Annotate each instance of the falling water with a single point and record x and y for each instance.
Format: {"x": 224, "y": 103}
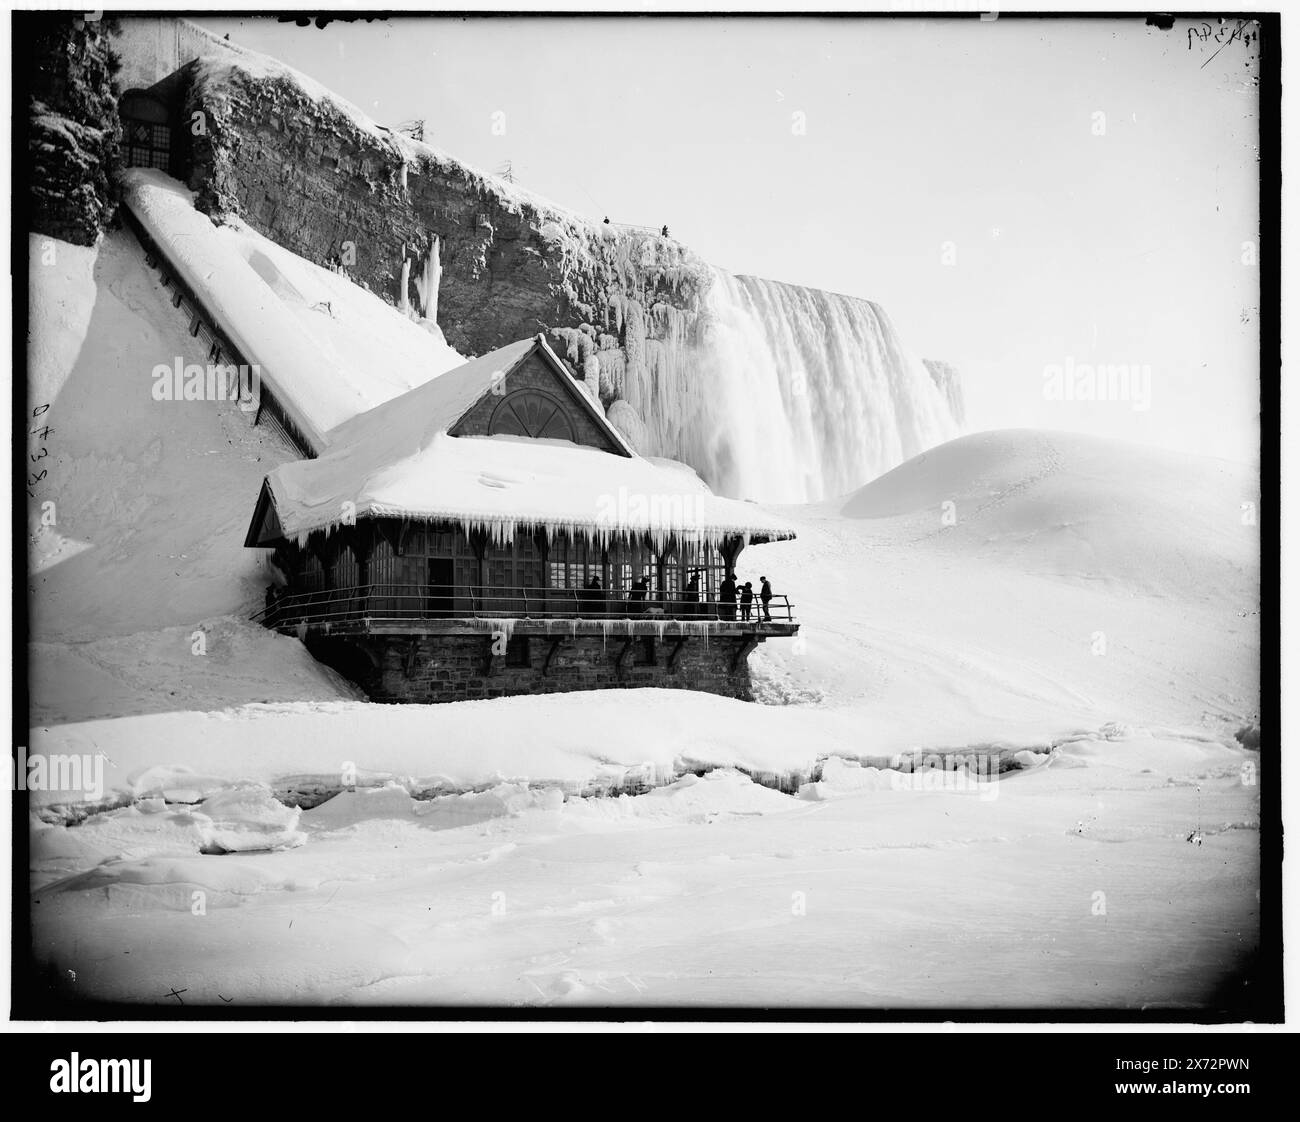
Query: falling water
{"x": 785, "y": 394}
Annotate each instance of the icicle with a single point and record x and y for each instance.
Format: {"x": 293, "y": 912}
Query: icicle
{"x": 429, "y": 282}
{"x": 404, "y": 305}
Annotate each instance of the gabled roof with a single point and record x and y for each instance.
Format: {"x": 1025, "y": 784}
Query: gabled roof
{"x": 400, "y": 459}
{"x": 442, "y": 401}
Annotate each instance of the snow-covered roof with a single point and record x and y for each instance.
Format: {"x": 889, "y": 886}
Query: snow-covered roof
{"x": 400, "y": 460}
{"x": 505, "y": 484}
{"x": 442, "y": 401}
{"x": 327, "y": 349}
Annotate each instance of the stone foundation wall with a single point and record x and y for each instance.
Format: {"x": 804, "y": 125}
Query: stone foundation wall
{"x": 452, "y": 668}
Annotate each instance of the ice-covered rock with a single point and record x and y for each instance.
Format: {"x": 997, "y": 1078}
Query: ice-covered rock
{"x": 629, "y": 423}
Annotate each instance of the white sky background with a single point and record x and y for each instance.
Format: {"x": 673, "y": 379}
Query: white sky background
{"x": 1122, "y": 248}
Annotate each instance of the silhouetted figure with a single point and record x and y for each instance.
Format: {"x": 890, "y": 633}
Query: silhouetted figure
{"x": 637, "y": 597}
{"x": 746, "y": 600}
{"x": 591, "y": 595}
{"x": 693, "y": 595}
{"x": 607, "y": 220}
{"x": 766, "y": 597}
{"x": 664, "y": 232}
{"x": 727, "y": 598}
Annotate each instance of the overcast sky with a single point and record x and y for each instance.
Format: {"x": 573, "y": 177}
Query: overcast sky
{"x": 955, "y": 171}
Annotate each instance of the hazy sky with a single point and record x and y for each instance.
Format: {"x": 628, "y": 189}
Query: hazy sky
{"x": 955, "y": 171}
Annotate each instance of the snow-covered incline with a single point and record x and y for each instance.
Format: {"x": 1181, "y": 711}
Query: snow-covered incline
{"x": 150, "y": 500}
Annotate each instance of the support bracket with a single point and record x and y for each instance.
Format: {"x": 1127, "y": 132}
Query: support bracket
{"x": 550, "y": 654}
{"x": 742, "y": 651}
{"x": 620, "y": 659}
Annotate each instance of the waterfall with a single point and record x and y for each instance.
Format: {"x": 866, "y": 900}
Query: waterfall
{"x": 782, "y": 393}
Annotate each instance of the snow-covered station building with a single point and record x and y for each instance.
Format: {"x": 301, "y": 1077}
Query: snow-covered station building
{"x": 490, "y": 533}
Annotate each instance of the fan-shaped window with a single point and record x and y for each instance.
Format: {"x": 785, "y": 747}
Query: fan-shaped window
{"x": 531, "y": 413}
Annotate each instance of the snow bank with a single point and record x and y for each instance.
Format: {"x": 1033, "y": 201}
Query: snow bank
{"x": 61, "y": 303}
{"x": 238, "y": 818}
{"x": 562, "y": 740}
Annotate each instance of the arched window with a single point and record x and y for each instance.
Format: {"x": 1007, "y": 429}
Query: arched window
{"x": 146, "y": 129}
{"x": 531, "y": 413}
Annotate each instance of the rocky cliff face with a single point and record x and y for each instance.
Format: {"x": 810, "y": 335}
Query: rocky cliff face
{"x": 308, "y": 171}
{"x": 73, "y": 133}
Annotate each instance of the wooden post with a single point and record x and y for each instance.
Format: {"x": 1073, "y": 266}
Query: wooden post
{"x": 363, "y": 547}
{"x": 478, "y": 542}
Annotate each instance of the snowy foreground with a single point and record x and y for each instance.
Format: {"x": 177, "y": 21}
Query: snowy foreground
{"x": 1071, "y": 885}
{"x": 1083, "y": 636}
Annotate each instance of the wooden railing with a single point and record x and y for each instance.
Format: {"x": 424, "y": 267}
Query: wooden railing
{"x": 402, "y": 602}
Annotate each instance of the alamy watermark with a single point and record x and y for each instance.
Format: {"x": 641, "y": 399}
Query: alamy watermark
{"x": 637, "y": 508}
{"x": 214, "y": 382}
{"x": 70, "y": 772}
{"x": 1071, "y": 381}
{"x": 969, "y": 772}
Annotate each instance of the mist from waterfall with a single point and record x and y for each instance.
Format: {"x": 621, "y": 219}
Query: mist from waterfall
{"x": 786, "y": 394}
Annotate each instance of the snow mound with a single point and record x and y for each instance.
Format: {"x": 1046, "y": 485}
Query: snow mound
{"x": 1078, "y": 507}
{"x": 135, "y": 844}
{"x": 239, "y": 819}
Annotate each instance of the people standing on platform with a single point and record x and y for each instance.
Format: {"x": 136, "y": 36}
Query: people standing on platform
{"x": 727, "y": 597}
{"x": 746, "y": 600}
